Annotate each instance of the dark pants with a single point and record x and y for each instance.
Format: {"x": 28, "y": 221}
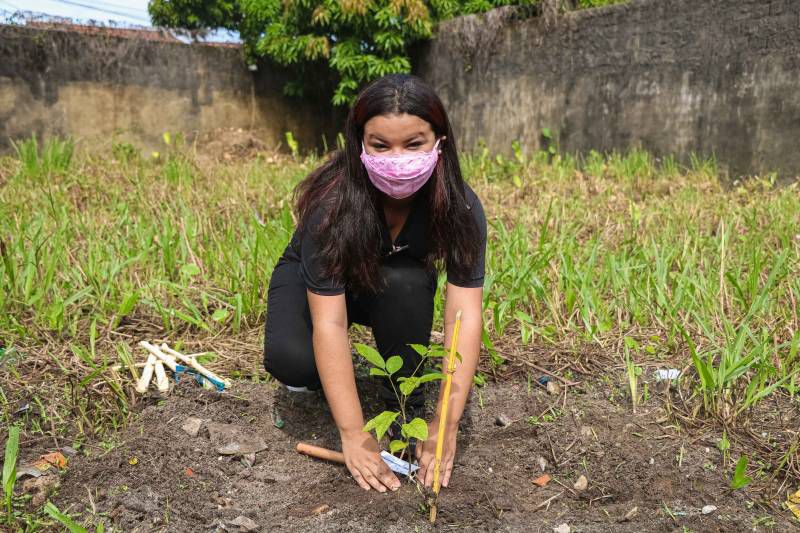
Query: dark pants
{"x": 401, "y": 314}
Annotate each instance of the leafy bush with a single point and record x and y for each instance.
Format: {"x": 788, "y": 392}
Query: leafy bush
{"x": 359, "y": 39}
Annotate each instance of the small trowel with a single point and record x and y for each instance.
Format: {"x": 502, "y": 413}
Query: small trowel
{"x": 394, "y": 463}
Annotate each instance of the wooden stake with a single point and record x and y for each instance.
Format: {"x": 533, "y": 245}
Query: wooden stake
{"x": 448, "y": 380}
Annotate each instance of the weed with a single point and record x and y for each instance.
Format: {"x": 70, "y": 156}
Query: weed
{"x": 39, "y": 162}
{"x": 10, "y": 470}
{"x": 740, "y": 478}
{"x": 549, "y": 416}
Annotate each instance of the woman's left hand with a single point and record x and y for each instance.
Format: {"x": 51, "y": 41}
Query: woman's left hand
{"x": 426, "y": 455}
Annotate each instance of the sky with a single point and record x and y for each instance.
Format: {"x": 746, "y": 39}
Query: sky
{"x": 133, "y": 12}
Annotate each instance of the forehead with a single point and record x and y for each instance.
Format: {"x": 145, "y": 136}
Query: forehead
{"x": 396, "y": 127}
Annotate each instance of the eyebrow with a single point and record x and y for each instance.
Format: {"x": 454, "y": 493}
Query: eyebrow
{"x": 379, "y": 138}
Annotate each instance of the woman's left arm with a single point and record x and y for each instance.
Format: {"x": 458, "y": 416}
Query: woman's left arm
{"x": 469, "y": 300}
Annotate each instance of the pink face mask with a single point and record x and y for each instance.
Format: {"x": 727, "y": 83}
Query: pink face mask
{"x": 400, "y": 176}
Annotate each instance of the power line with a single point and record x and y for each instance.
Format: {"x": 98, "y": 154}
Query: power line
{"x": 101, "y": 10}
{"x": 120, "y": 6}
{"x": 12, "y": 6}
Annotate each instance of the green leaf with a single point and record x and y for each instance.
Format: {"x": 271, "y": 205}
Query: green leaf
{"x": 416, "y": 429}
{"x": 381, "y": 423}
{"x": 433, "y": 376}
{"x": 128, "y": 303}
{"x": 740, "y": 477}
{"x": 631, "y": 343}
{"x": 420, "y": 349}
{"x": 397, "y": 445}
{"x": 408, "y": 386}
{"x": 190, "y": 270}
{"x": 377, "y": 372}
{"x": 370, "y": 354}
{"x": 70, "y": 524}
{"x": 523, "y": 317}
{"x": 394, "y": 363}
{"x": 497, "y": 359}
{"x": 724, "y": 444}
{"x": 437, "y": 350}
{"x": 10, "y": 461}
{"x": 220, "y": 315}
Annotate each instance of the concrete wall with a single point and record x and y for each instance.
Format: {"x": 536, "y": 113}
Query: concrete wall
{"x": 55, "y": 82}
{"x": 673, "y": 76}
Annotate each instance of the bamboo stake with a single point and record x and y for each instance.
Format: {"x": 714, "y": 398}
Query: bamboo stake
{"x": 448, "y": 380}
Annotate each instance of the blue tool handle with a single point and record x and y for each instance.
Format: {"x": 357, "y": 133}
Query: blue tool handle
{"x": 181, "y": 369}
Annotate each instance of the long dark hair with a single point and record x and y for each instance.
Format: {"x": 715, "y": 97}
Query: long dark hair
{"x": 350, "y": 231}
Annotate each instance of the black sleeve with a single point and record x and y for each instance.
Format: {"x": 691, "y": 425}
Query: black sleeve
{"x": 476, "y": 276}
{"x": 310, "y": 261}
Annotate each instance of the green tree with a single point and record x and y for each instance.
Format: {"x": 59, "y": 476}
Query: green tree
{"x": 360, "y": 40}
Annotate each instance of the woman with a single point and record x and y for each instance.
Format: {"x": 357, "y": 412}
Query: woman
{"x": 375, "y": 222}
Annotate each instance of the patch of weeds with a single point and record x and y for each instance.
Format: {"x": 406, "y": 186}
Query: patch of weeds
{"x": 125, "y": 152}
{"x": 548, "y": 417}
{"x": 765, "y": 521}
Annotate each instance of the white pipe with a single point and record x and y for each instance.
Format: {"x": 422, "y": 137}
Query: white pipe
{"x": 147, "y": 375}
{"x": 142, "y": 365}
{"x": 161, "y": 377}
{"x": 156, "y": 352}
{"x": 194, "y": 364}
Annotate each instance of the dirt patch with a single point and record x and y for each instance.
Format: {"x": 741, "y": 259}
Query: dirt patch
{"x": 643, "y": 473}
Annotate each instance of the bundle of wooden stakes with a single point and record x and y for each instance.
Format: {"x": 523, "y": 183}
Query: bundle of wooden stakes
{"x": 161, "y": 356}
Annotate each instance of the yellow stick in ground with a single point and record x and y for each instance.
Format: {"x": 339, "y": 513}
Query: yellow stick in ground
{"x": 448, "y": 380}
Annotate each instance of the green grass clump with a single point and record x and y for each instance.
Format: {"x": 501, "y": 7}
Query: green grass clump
{"x": 590, "y": 250}
{"x": 42, "y": 162}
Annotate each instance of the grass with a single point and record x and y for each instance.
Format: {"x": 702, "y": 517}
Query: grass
{"x": 622, "y": 246}
{"x": 646, "y": 260}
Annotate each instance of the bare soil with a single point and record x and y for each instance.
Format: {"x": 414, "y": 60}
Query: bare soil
{"x": 644, "y": 473}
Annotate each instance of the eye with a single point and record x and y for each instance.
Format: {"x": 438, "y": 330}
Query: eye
{"x": 379, "y": 146}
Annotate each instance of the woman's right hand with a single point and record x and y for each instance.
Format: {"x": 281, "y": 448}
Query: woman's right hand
{"x": 363, "y": 459}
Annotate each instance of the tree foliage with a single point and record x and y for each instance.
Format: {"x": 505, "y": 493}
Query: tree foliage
{"x": 360, "y": 40}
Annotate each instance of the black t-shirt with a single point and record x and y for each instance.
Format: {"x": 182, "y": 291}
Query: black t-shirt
{"x": 412, "y": 241}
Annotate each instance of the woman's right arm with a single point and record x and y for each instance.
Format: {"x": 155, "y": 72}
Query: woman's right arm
{"x": 335, "y": 367}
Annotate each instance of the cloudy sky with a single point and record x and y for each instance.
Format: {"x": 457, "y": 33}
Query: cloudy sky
{"x": 128, "y": 11}
{"x": 133, "y": 12}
